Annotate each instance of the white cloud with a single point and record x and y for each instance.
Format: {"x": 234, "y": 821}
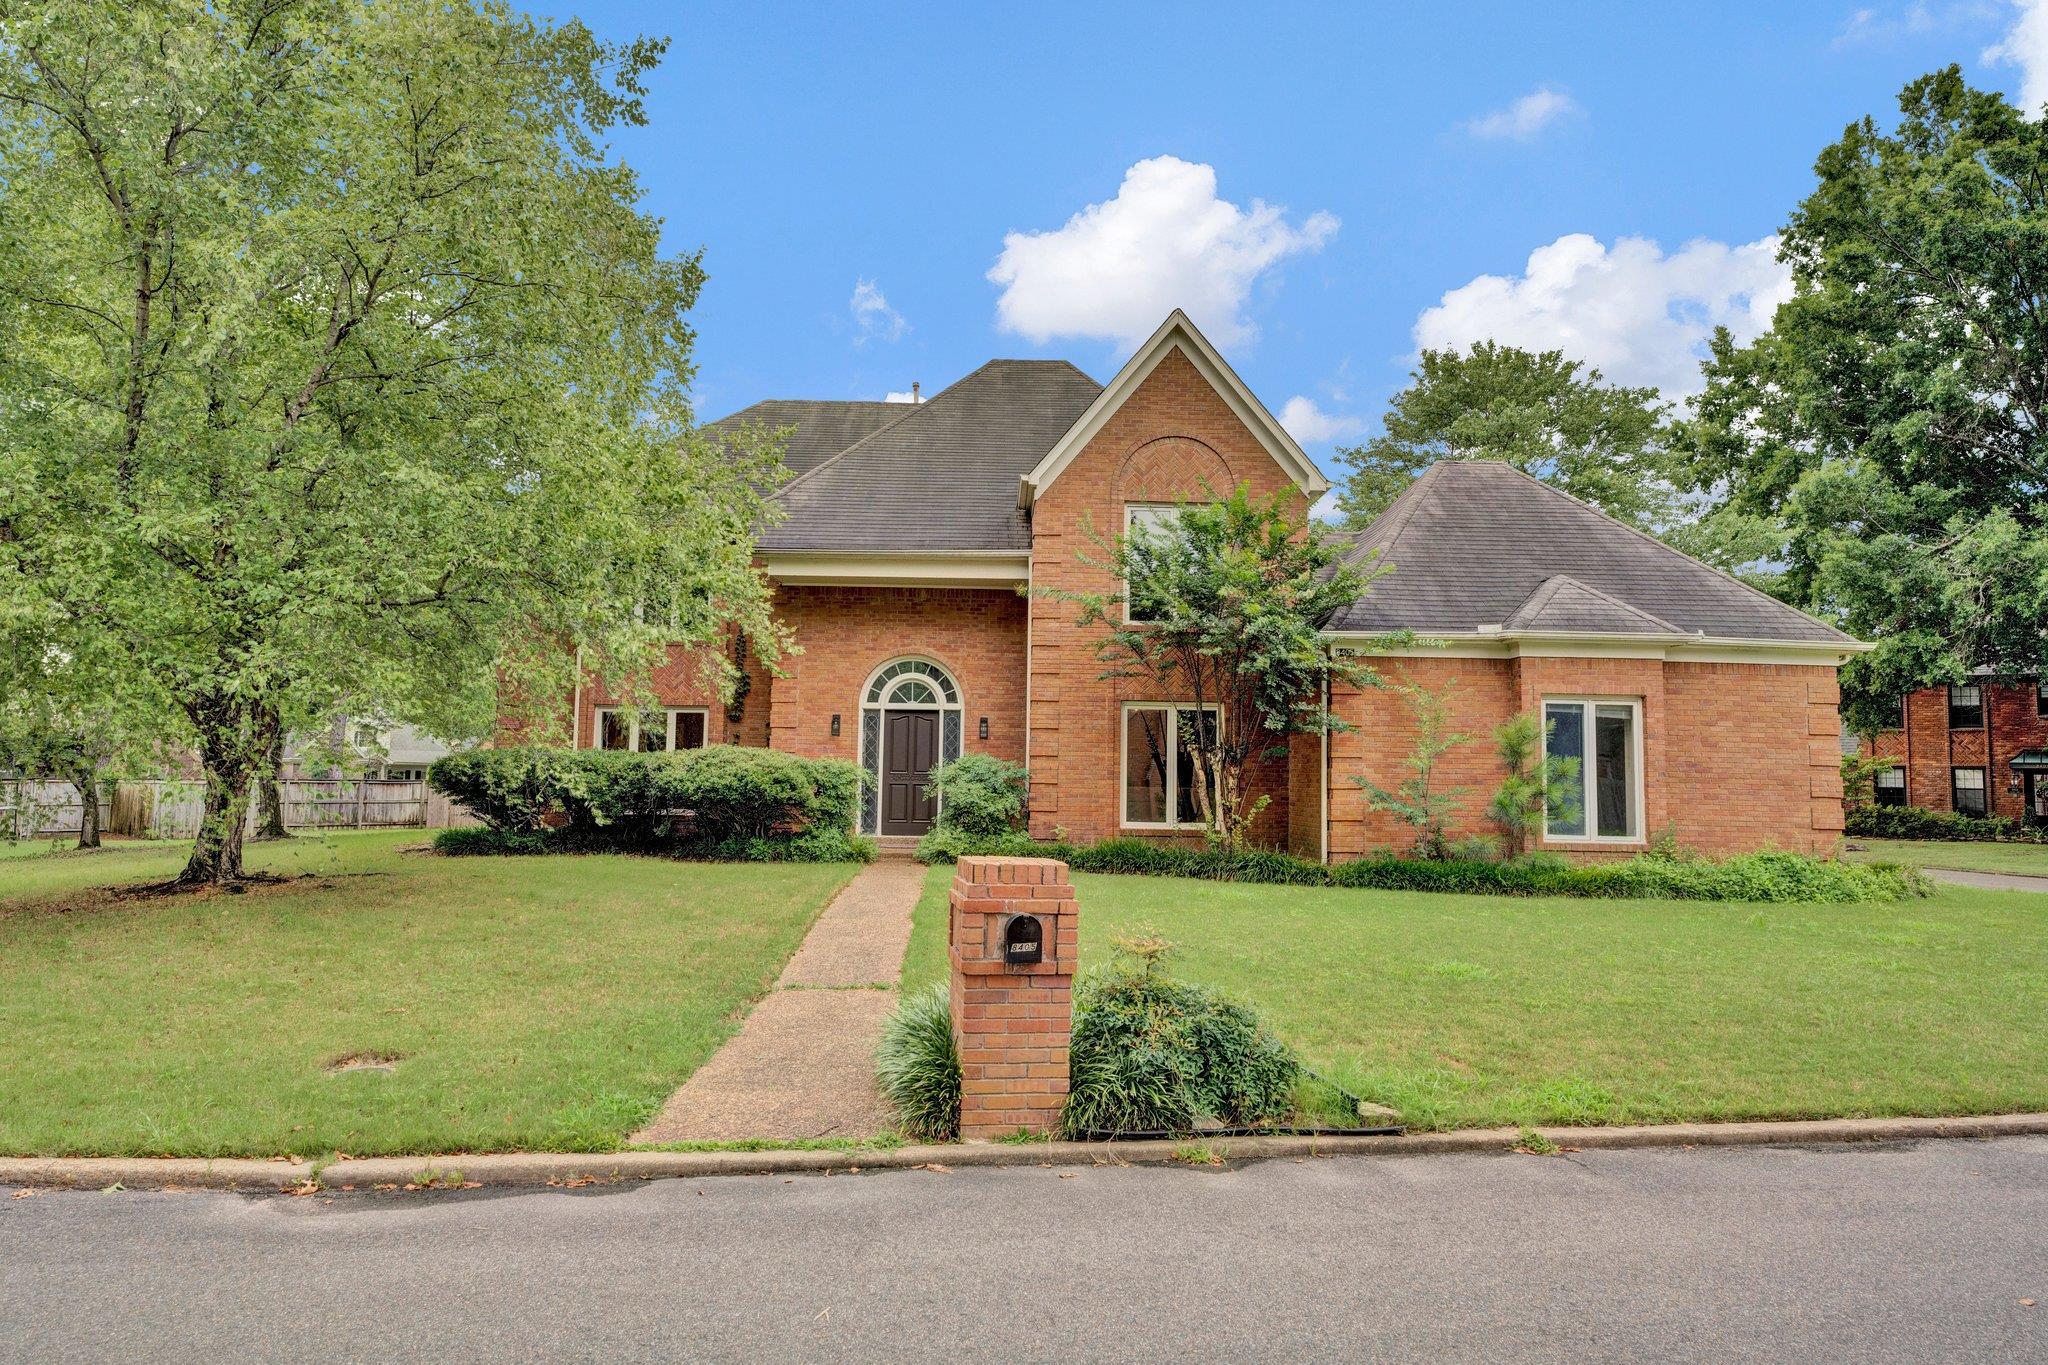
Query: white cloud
{"x": 1526, "y": 117}
{"x": 1894, "y": 24}
{"x": 1308, "y": 423}
{"x": 1636, "y": 314}
{"x": 902, "y": 396}
{"x": 872, "y": 315}
{"x": 2025, "y": 46}
{"x": 1116, "y": 269}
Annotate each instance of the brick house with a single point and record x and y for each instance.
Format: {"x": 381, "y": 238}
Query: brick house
{"x": 914, "y": 533}
{"x": 1977, "y": 748}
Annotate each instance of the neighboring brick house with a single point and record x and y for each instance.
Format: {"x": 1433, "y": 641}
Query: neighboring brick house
{"x": 1979, "y": 748}
{"x": 914, "y": 535}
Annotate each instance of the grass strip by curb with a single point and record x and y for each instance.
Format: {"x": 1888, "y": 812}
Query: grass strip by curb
{"x": 541, "y": 1169}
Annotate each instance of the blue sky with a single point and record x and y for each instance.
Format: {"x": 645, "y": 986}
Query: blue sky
{"x": 854, "y": 174}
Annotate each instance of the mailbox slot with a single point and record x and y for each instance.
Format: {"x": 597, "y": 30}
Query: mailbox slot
{"x": 1023, "y": 940}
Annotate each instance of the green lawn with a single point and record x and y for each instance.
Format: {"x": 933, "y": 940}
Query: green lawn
{"x": 2026, "y": 859}
{"x": 543, "y": 1003}
{"x": 1467, "y": 1011}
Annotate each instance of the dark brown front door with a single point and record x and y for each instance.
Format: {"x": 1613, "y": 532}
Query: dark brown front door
{"x": 910, "y": 748}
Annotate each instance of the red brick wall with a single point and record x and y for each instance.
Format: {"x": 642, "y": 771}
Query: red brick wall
{"x": 1173, "y": 434}
{"x": 682, "y": 681}
{"x": 1929, "y": 749}
{"x": 845, "y": 634}
{"x": 1736, "y": 757}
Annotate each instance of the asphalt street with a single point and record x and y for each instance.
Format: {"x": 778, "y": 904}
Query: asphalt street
{"x": 1873, "y": 1253}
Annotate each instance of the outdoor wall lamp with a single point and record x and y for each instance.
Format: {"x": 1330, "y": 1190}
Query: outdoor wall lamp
{"x": 984, "y": 727}
{"x": 835, "y": 725}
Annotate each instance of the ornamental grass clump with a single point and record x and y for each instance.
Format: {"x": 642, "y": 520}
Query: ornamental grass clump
{"x": 919, "y": 1067}
{"x": 1152, "y": 1054}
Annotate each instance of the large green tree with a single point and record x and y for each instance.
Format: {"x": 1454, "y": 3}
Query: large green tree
{"x": 1892, "y": 418}
{"x": 337, "y": 361}
{"x": 1551, "y": 417}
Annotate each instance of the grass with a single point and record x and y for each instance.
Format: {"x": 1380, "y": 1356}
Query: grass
{"x": 1464, "y": 1011}
{"x": 2025, "y": 859}
{"x": 534, "y": 1003}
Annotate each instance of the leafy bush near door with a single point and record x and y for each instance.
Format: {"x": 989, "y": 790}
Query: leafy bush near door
{"x": 980, "y": 795}
{"x": 723, "y": 802}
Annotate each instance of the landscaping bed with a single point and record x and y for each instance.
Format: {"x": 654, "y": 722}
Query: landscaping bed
{"x": 1463, "y": 1011}
{"x": 391, "y": 1002}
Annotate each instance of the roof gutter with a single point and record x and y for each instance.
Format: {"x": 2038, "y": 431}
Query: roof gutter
{"x": 1698, "y": 647}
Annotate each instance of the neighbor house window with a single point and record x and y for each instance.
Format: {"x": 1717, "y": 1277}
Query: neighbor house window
{"x": 1965, "y": 707}
{"x": 678, "y": 727}
{"x": 1145, "y": 521}
{"x": 1966, "y": 791}
{"x": 1603, "y": 798}
{"x": 1888, "y": 787}
{"x": 1161, "y": 777}
{"x": 2041, "y": 699}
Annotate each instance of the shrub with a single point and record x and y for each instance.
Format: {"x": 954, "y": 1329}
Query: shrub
{"x": 919, "y": 1067}
{"x": 718, "y": 801}
{"x": 1917, "y": 822}
{"x": 1781, "y": 877}
{"x": 483, "y": 840}
{"x": 980, "y": 794}
{"x": 1152, "y": 1054}
{"x": 508, "y": 789}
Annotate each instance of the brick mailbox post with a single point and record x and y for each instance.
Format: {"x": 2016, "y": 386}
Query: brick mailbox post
{"x": 1012, "y": 937}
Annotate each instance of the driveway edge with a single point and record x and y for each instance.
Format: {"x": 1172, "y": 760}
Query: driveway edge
{"x": 522, "y": 1169}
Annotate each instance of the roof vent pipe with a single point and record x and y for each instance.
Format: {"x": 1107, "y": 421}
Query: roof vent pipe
{"x": 913, "y": 392}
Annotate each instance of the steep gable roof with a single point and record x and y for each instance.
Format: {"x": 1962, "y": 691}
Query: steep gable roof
{"x": 822, "y": 427}
{"x": 1176, "y": 333}
{"x": 944, "y": 477}
{"x": 1473, "y": 543}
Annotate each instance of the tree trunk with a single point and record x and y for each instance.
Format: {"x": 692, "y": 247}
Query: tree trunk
{"x": 234, "y": 738}
{"x": 270, "y": 791}
{"x": 88, "y": 784}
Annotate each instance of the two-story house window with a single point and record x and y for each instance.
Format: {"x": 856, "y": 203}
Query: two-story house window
{"x": 2041, "y": 700}
{"x": 1965, "y": 706}
{"x": 1889, "y": 787}
{"x": 1967, "y": 791}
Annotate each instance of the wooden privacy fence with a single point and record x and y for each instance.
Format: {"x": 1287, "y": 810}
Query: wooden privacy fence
{"x": 172, "y": 809}
{"x": 30, "y": 810}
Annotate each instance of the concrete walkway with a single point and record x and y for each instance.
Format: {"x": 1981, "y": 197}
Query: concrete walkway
{"x": 1989, "y": 881}
{"x": 803, "y": 1065}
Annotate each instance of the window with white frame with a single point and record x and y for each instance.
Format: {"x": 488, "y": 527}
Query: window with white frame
{"x": 670, "y": 728}
{"x": 1161, "y": 778}
{"x": 1888, "y": 786}
{"x": 1600, "y": 739}
{"x": 1967, "y": 792}
{"x": 1145, "y": 521}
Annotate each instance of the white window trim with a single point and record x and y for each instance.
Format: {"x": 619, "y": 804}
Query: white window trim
{"x": 1129, "y": 508}
{"x": 1123, "y": 764}
{"x": 1592, "y": 815}
{"x": 632, "y": 715}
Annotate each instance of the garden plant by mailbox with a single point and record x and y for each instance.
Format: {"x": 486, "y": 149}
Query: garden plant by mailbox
{"x": 1012, "y": 937}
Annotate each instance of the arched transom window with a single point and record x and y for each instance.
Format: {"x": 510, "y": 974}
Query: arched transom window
{"x": 912, "y": 682}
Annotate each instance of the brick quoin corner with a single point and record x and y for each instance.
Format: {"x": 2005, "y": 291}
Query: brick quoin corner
{"x": 1012, "y": 1022}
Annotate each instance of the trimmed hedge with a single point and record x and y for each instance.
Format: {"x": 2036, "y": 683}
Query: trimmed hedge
{"x": 720, "y": 802}
{"x": 1774, "y": 877}
{"x": 1917, "y": 822}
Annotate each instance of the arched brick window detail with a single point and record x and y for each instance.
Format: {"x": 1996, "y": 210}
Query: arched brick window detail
{"x": 1174, "y": 469}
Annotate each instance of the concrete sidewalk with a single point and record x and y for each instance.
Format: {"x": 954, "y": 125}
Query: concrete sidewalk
{"x": 803, "y": 1066}
{"x": 1989, "y": 881}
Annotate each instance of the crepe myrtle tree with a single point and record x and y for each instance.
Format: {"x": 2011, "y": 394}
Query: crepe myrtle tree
{"x": 337, "y": 360}
{"x": 1221, "y": 606}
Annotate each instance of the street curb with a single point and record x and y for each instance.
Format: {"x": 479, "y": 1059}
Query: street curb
{"x": 527, "y": 1170}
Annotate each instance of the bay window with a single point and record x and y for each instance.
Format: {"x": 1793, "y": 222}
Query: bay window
{"x": 670, "y": 728}
{"x": 1594, "y": 748}
{"x": 1161, "y": 778}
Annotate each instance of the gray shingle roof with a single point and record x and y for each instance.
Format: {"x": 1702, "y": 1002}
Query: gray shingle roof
{"x": 823, "y": 427}
{"x": 945, "y": 476}
{"x": 1473, "y": 543}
